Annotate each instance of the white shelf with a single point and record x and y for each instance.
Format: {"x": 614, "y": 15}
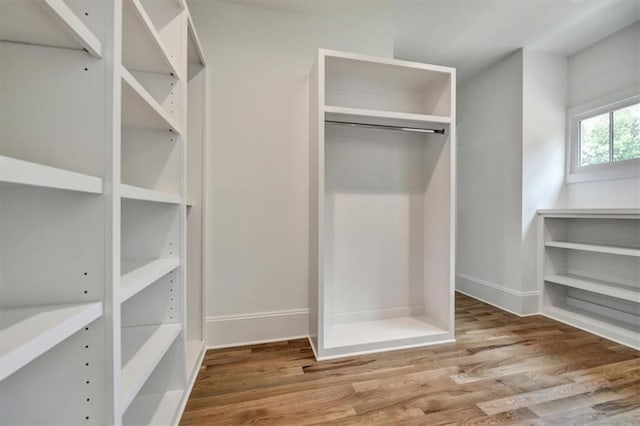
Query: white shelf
{"x": 46, "y": 23}
{"x": 136, "y": 193}
{"x": 155, "y": 409}
{"x": 28, "y": 332}
{"x": 597, "y": 324}
{"x": 33, "y": 174}
{"x": 138, "y": 274}
{"x": 596, "y": 248}
{"x": 143, "y": 347}
{"x": 140, "y": 109}
{"x": 365, "y": 332}
{"x": 142, "y": 47}
{"x": 596, "y": 286}
{"x": 369, "y": 116}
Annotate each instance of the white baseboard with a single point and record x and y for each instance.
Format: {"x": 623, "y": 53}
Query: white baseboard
{"x": 521, "y": 303}
{"x": 261, "y": 327}
{"x": 379, "y": 314}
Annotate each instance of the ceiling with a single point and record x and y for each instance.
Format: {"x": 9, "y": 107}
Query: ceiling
{"x": 472, "y": 34}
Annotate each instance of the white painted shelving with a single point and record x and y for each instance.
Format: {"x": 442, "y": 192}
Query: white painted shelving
{"x": 138, "y": 274}
{"x": 136, "y": 193}
{"x": 140, "y": 109}
{"x": 27, "y": 173}
{"x": 28, "y": 332}
{"x": 370, "y": 204}
{"x": 590, "y": 270}
{"x": 46, "y": 23}
{"x": 94, "y": 294}
{"x": 142, "y": 349}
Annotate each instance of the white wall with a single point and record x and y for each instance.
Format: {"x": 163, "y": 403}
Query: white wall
{"x": 489, "y": 186}
{"x": 602, "y": 69}
{"x": 510, "y": 164}
{"x": 543, "y": 154}
{"x": 258, "y": 64}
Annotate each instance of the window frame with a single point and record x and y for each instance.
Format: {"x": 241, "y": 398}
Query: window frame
{"x": 612, "y": 169}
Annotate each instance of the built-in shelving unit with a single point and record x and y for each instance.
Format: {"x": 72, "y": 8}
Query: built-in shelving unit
{"x": 93, "y": 183}
{"x": 381, "y": 193}
{"x": 590, "y": 270}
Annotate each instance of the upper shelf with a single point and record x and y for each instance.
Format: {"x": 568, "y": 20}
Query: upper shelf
{"x": 27, "y": 173}
{"x": 142, "y": 47}
{"x": 139, "y": 109}
{"x": 28, "y": 332}
{"x": 387, "y": 118}
{"x": 46, "y": 23}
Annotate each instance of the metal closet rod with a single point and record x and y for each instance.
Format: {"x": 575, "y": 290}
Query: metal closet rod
{"x": 386, "y": 127}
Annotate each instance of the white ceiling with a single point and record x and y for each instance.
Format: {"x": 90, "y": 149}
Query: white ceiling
{"x": 472, "y": 34}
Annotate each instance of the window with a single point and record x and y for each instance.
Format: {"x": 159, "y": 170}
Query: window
{"x": 605, "y": 141}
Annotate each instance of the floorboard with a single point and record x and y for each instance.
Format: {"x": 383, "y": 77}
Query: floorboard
{"x": 502, "y": 370}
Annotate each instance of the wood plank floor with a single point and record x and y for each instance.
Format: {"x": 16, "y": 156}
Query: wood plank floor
{"x": 502, "y": 370}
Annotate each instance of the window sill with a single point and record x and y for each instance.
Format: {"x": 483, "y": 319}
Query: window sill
{"x": 627, "y": 169}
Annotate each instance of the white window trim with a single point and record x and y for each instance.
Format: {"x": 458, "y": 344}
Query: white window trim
{"x": 616, "y": 170}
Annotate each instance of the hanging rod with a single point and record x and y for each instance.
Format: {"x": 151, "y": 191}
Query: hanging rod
{"x": 383, "y": 126}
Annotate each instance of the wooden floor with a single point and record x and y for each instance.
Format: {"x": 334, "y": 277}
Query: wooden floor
{"x": 502, "y": 370}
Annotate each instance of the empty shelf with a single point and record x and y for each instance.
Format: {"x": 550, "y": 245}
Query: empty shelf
{"x": 142, "y": 47}
{"x": 138, "y": 274}
{"x": 155, "y": 409}
{"x": 33, "y": 174}
{"x": 364, "y": 332}
{"x": 28, "y": 332}
{"x": 140, "y": 109}
{"x": 142, "y": 349}
{"x": 596, "y": 286}
{"x": 46, "y": 23}
{"x": 387, "y": 118}
{"x": 137, "y": 193}
{"x": 596, "y": 248}
{"x": 593, "y": 323}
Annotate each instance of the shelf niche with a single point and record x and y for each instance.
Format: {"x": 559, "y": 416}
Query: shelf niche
{"x": 381, "y": 205}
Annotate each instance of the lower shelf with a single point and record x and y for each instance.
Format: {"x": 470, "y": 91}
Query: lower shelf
{"x": 142, "y": 349}
{"x": 28, "y": 332}
{"x": 365, "y": 332}
{"x": 155, "y": 409}
{"x": 618, "y": 331}
{"x": 596, "y": 286}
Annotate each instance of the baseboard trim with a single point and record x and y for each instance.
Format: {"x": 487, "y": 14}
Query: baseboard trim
{"x": 260, "y": 327}
{"x": 521, "y": 303}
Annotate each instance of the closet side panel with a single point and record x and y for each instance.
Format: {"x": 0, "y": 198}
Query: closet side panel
{"x": 437, "y": 231}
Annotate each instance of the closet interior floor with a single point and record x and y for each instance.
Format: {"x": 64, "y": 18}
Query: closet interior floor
{"x": 503, "y": 369}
